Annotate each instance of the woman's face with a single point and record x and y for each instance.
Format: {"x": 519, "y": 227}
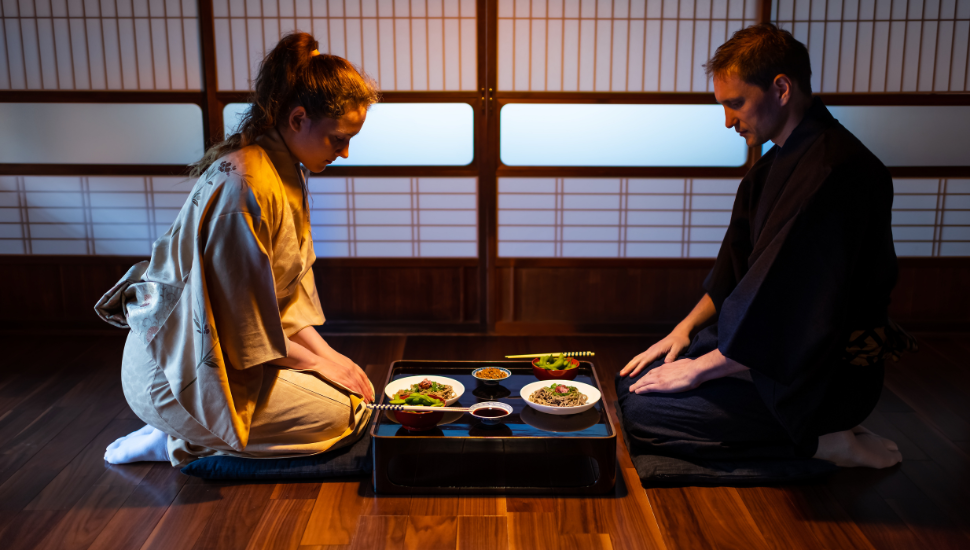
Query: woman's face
{"x": 317, "y": 143}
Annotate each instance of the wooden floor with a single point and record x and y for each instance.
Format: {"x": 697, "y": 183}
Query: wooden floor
{"x": 61, "y": 404}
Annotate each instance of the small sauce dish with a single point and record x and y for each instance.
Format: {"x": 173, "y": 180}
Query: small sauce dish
{"x": 490, "y": 413}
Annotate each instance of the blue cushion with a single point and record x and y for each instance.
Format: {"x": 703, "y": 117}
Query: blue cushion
{"x": 354, "y": 460}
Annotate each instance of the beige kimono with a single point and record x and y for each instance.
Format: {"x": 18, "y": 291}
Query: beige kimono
{"x": 225, "y": 288}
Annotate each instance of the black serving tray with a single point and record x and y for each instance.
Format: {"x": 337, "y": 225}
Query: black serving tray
{"x": 529, "y": 453}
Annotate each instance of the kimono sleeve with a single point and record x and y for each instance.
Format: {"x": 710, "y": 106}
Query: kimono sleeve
{"x": 732, "y": 257}
{"x": 241, "y": 290}
{"x": 303, "y": 308}
{"x": 787, "y": 312}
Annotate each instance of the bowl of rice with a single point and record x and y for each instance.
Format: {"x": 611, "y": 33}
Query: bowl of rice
{"x": 560, "y": 398}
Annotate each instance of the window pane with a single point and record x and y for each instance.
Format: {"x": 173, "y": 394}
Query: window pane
{"x": 403, "y": 134}
{"x": 909, "y": 135}
{"x": 97, "y": 133}
{"x": 618, "y": 135}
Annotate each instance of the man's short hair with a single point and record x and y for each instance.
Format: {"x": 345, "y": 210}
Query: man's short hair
{"x": 761, "y": 52}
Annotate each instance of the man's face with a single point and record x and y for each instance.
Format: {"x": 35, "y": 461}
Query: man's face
{"x": 754, "y": 113}
{"x": 317, "y": 143}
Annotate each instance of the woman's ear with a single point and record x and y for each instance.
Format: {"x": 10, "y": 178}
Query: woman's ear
{"x": 297, "y": 119}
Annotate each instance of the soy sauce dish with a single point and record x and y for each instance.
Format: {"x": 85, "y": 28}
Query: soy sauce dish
{"x": 490, "y": 413}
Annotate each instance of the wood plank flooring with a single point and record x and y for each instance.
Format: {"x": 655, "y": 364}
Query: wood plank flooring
{"x": 61, "y": 404}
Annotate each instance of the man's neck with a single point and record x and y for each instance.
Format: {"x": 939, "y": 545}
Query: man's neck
{"x": 795, "y": 117}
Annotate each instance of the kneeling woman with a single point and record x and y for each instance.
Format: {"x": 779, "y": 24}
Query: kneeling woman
{"x": 222, "y": 357}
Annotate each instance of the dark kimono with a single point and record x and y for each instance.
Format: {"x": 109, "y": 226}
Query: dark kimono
{"x": 807, "y": 260}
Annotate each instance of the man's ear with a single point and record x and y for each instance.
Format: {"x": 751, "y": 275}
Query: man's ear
{"x": 783, "y": 89}
{"x": 296, "y": 119}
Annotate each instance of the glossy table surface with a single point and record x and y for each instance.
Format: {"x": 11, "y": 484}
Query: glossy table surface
{"x": 523, "y": 422}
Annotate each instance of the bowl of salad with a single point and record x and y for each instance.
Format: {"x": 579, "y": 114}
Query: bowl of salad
{"x": 555, "y": 367}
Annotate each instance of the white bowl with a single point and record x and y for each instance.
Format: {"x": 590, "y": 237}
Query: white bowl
{"x": 592, "y": 393}
{"x": 405, "y": 384}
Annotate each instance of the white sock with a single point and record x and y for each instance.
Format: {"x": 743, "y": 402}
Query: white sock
{"x": 146, "y": 444}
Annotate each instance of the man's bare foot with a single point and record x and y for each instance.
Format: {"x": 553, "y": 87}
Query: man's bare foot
{"x": 890, "y": 444}
{"x": 858, "y": 447}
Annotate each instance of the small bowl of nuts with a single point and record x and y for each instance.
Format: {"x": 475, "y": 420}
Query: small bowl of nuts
{"x": 491, "y": 376}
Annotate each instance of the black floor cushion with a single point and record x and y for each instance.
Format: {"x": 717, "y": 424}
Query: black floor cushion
{"x": 665, "y": 471}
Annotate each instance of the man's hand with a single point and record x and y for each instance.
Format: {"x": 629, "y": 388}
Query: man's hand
{"x": 669, "y": 378}
{"x": 671, "y": 346}
{"x": 687, "y": 374}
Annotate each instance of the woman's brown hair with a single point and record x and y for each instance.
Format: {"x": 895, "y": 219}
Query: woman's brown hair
{"x": 292, "y": 75}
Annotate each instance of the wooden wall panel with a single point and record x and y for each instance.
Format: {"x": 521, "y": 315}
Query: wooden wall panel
{"x": 582, "y": 299}
{"x": 59, "y": 293}
{"x": 566, "y": 296}
{"x": 397, "y": 294}
{"x": 555, "y": 296}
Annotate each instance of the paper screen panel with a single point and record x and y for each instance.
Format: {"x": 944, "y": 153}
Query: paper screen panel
{"x": 687, "y": 218}
{"x": 394, "y": 217}
{"x": 402, "y": 134}
{"x": 350, "y": 217}
{"x": 100, "y": 133}
{"x": 613, "y": 218}
{"x": 624, "y": 135}
{"x": 87, "y": 215}
{"x": 405, "y": 45}
{"x": 99, "y": 45}
{"x": 882, "y": 45}
{"x": 613, "y": 45}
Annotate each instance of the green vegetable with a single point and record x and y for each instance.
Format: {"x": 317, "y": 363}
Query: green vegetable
{"x": 421, "y": 400}
{"x": 548, "y": 363}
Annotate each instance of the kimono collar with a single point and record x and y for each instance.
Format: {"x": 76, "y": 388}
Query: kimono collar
{"x": 289, "y": 168}
{"x": 294, "y": 176}
{"x": 816, "y": 120}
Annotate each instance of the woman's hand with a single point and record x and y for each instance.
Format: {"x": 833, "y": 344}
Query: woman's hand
{"x": 332, "y": 364}
{"x": 673, "y": 377}
{"x": 347, "y": 374}
{"x": 671, "y": 346}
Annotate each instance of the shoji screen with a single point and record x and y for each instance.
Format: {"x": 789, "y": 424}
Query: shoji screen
{"x": 613, "y": 45}
{"x": 156, "y": 45}
{"x": 404, "y": 44}
{"x": 687, "y": 218}
{"x": 99, "y": 45}
{"x": 882, "y": 45}
{"x": 351, "y": 217}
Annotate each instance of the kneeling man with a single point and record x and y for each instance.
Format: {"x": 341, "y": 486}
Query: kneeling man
{"x": 793, "y": 361}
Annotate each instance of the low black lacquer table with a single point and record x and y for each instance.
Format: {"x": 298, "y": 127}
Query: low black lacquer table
{"x": 529, "y": 453}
